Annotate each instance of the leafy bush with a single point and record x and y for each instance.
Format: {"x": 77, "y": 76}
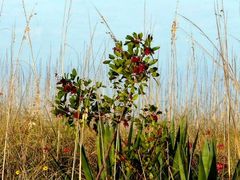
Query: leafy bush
{"x": 153, "y": 149}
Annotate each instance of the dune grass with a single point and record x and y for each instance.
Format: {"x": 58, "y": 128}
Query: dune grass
{"x": 37, "y": 145}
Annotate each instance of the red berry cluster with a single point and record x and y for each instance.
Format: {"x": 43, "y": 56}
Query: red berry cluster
{"x": 154, "y": 117}
{"x": 148, "y": 51}
{"x": 220, "y": 146}
{"x": 140, "y": 68}
{"x": 67, "y": 150}
{"x": 221, "y": 167}
{"x": 68, "y": 86}
{"x": 135, "y": 59}
{"x": 77, "y": 115}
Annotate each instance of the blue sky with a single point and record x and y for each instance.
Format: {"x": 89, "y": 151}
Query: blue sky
{"x": 123, "y": 16}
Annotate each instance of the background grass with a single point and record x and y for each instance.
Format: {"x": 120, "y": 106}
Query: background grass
{"x": 207, "y": 93}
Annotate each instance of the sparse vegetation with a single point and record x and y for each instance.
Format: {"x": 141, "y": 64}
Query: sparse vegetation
{"x": 131, "y": 125}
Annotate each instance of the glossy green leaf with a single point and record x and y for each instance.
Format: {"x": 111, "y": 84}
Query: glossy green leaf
{"x": 106, "y": 62}
{"x": 86, "y": 166}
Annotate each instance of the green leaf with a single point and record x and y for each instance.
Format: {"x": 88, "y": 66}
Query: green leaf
{"x": 112, "y": 66}
{"x": 201, "y": 171}
{"x": 99, "y": 147}
{"x": 60, "y": 94}
{"x": 98, "y": 84}
{"x": 209, "y": 159}
{"x": 135, "y": 35}
{"x": 182, "y": 170}
{"x": 155, "y": 48}
{"x": 140, "y": 89}
{"x": 106, "y": 62}
{"x": 118, "y": 54}
{"x": 138, "y": 139}
{"x": 206, "y": 158}
{"x": 86, "y": 166}
{"x": 130, "y": 135}
{"x": 155, "y": 74}
{"x": 119, "y": 70}
{"x": 111, "y": 56}
{"x": 154, "y": 69}
{"x": 130, "y": 48}
{"x": 128, "y": 37}
{"x": 73, "y": 74}
{"x": 108, "y": 99}
{"x": 152, "y": 108}
{"x": 176, "y": 140}
{"x": 213, "y": 169}
{"x": 154, "y": 61}
{"x": 183, "y": 132}
{"x": 135, "y": 97}
{"x": 107, "y": 137}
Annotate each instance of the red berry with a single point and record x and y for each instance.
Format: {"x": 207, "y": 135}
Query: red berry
{"x": 136, "y": 70}
{"x": 220, "y": 167}
{"x": 74, "y": 90}
{"x": 220, "y": 146}
{"x": 147, "y": 51}
{"x": 62, "y": 81}
{"x": 76, "y": 115}
{"x": 154, "y": 117}
{"x": 67, "y": 87}
{"x": 141, "y": 68}
{"x": 135, "y": 59}
{"x": 67, "y": 150}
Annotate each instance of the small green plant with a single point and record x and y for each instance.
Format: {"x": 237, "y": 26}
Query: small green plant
{"x": 77, "y": 97}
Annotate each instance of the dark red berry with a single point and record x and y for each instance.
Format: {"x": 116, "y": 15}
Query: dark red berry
{"x": 141, "y": 68}
{"x": 66, "y": 150}
{"x": 136, "y": 70}
{"x": 147, "y": 51}
{"x": 135, "y": 59}
{"x": 62, "y": 81}
{"x": 76, "y": 115}
{"x": 220, "y": 167}
{"x": 74, "y": 90}
{"x": 67, "y": 87}
{"x": 154, "y": 117}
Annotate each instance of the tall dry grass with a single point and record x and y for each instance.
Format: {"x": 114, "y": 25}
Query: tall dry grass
{"x": 32, "y": 138}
